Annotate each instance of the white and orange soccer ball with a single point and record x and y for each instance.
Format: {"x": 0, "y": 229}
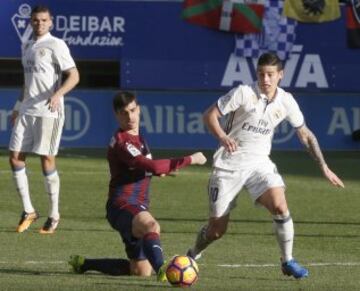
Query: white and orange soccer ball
{"x": 182, "y": 271}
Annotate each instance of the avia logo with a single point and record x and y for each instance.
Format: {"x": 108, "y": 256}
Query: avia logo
{"x": 283, "y": 133}
{"x": 301, "y": 70}
{"x": 21, "y": 22}
{"x": 77, "y": 119}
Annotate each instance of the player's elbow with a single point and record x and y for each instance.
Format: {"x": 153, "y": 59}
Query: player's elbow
{"x": 76, "y": 76}
{"x": 73, "y": 76}
{"x": 211, "y": 115}
{"x": 160, "y": 167}
{"x": 206, "y": 117}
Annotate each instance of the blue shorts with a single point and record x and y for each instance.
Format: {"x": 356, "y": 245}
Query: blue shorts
{"x": 121, "y": 219}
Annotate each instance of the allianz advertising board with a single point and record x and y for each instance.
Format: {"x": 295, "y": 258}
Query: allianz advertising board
{"x": 173, "y": 120}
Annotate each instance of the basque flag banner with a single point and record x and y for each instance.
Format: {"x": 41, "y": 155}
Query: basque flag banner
{"x": 277, "y": 35}
{"x": 225, "y": 15}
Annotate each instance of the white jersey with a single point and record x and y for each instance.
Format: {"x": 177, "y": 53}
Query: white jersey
{"x": 251, "y": 120}
{"x": 43, "y": 60}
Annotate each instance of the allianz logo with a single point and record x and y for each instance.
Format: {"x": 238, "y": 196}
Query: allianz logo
{"x": 77, "y": 119}
{"x": 283, "y": 133}
{"x": 171, "y": 119}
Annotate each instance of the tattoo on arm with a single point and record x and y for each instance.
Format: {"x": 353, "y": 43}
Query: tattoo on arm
{"x": 313, "y": 147}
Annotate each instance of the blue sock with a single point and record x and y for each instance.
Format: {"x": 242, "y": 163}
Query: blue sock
{"x": 153, "y": 250}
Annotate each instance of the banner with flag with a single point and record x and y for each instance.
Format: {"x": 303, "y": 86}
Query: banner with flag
{"x": 225, "y": 15}
{"x": 277, "y": 35}
{"x": 312, "y": 11}
{"x": 353, "y": 24}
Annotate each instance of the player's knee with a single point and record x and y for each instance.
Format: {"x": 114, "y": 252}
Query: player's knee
{"x": 152, "y": 226}
{"x": 141, "y": 271}
{"x": 280, "y": 208}
{"x": 15, "y": 163}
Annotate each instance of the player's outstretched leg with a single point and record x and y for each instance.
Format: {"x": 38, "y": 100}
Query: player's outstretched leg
{"x": 293, "y": 268}
{"x": 154, "y": 254}
{"x": 113, "y": 267}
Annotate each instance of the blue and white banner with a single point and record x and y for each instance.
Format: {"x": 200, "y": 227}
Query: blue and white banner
{"x": 174, "y": 120}
{"x": 159, "y": 50}
{"x": 92, "y": 29}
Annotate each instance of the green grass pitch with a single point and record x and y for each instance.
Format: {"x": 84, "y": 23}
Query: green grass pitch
{"x": 327, "y": 228}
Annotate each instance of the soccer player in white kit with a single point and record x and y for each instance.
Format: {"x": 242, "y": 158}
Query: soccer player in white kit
{"x": 242, "y": 159}
{"x": 38, "y": 115}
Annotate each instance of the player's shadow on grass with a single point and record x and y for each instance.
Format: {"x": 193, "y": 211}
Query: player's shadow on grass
{"x": 133, "y": 284}
{"x": 30, "y": 272}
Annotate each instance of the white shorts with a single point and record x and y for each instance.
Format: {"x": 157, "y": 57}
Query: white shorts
{"x": 225, "y": 185}
{"x": 34, "y": 134}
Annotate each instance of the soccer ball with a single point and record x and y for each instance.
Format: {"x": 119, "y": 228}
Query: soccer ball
{"x": 182, "y": 271}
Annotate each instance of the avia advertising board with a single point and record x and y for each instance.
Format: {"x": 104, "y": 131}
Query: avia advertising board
{"x": 157, "y": 49}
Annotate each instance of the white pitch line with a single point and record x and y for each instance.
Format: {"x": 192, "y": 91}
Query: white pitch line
{"x": 351, "y": 264}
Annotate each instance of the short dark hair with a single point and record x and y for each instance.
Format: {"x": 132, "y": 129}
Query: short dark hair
{"x": 40, "y": 9}
{"x": 270, "y": 59}
{"x": 122, "y": 99}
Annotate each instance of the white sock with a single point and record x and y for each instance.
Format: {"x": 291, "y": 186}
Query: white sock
{"x": 52, "y": 187}
{"x": 22, "y": 186}
{"x": 284, "y": 231}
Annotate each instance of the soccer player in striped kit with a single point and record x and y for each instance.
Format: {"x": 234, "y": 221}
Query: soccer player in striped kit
{"x": 131, "y": 168}
{"x": 242, "y": 159}
{"x": 38, "y": 115}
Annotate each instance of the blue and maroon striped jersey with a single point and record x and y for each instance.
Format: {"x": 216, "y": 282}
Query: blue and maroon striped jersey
{"x": 131, "y": 168}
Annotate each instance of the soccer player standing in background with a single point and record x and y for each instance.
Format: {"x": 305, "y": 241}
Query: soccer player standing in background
{"x": 131, "y": 167}
{"x": 242, "y": 159}
{"x": 38, "y": 115}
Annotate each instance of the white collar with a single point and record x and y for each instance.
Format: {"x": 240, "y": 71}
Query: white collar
{"x": 263, "y": 97}
{"x": 43, "y": 38}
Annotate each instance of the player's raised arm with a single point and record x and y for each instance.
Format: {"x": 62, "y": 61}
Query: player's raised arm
{"x": 162, "y": 167}
{"x": 310, "y": 142}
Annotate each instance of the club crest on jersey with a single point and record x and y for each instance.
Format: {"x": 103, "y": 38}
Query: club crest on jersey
{"x": 254, "y": 99}
{"x": 356, "y": 9}
{"x": 21, "y": 22}
{"x": 132, "y": 150}
{"x": 42, "y": 53}
{"x": 277, "y": 114}
{"x": 112, "y": 142}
